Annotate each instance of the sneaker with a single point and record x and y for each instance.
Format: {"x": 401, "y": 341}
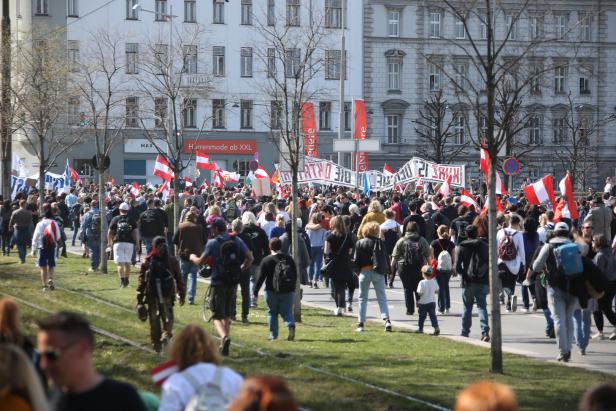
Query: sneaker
{"x": 437, "y": 331}
{"x": 550, "y": 333}
{"x": 582, "y": 351}
{"x": 508, "y": 309}
{"x": 441, "y": 312}
{"x": 51, "y": 285}
{"x": 336, "y": 312}
{"x": 613, "y": 336}
{"x": 244, "y": 319}
{"x": 535, "y": 305}
{"x": 485, "y": 337}
{"x": 291, "y": 335}
{"x": 447, "y": 311}
{"x": 409, "y": 312}
{"x": 598, "y": 336}
{"x": 224, "y": 346}
{"x": 316, "y": 286}
{"x": 360, "y": 327}
{"x": 391, "y": 285}
{"x": 463, "y": 334}
{"x": 349, "y": 308}
{"x": 340, "y": 311}
{"x": 253, "y": 305}
{"x": 387, "y": 325}
{"x": 419, "y": 331}
{"x": 568, "y": 356}
{"x": 564, "y": 357}
{"x": 525, "y": 310}
{"x": 514, "y": 303}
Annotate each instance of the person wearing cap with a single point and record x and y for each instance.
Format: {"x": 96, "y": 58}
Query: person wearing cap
{"x": 560, "y": 290}
{"x": 123, "y": 234}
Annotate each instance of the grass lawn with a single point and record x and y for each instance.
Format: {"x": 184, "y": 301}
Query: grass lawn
{"x": 323, "y": 366}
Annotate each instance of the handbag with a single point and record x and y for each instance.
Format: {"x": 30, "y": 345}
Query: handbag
{"x": 330, "y": 263}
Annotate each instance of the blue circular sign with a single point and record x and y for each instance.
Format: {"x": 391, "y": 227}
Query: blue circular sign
{"x": 511, "y": 166}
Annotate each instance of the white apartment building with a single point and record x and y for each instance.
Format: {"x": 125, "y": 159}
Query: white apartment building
{"x": 229, "y": 119}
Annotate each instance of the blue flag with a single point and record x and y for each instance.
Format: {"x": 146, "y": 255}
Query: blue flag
{"x": 67, "y": 176}
{"x": 366, "y": 189}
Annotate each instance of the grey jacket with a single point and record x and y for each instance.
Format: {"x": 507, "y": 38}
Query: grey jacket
{"x": 601, "y": 218}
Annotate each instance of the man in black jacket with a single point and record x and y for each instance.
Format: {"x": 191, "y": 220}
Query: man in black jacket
{"x": 152, "y": 223}
{"x": 258, "y": 244}
{"x": 472, "y": 265}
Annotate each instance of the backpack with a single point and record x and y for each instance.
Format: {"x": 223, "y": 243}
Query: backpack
{"x": 124, "y": 231}
{"x": 430, "y": 230}
{"x": 506, "y": 248}
{"x": 379, "y": 257}
{"x": 478, "y": 267}
{"x": 444, "y": 261}
{"x": 391, "y": 237}
{"x": 49, "y": 236}
{"x": 461, "y": 231}
{"x": 95, "y": 224}
{"x": 230, "y": 261}
{"x": 159, "y": 273}
{"x": 285, "y": 275}
{"x": 413, "y": 258}
{"x": 207, "y": 397}
{"x": 568, "y": 260}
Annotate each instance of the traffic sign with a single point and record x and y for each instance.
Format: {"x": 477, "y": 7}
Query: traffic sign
{"x": 511, "y": 166}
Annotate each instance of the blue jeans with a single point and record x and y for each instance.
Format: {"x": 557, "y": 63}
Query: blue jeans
{"x": 95, "y": 253}
{"x": 367, "y": 277}
{"x": 424, "y": 310}
{"x": 279, "y": 303}
{"x": 444, "y": 300}
{"x": 21, "y": 237}
{"x": 581, "y": 325}
{"x": 314, "y": 272}
{"x": 75, "y": 226}
{"x": 549, "y": 322}
{"x": 254, "y": 272}
{"x": 471, "y": 294}
{"x": 189, "y": 272}
{"x": 562, "y": 305}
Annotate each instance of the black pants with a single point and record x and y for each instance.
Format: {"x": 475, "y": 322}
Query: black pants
{"x": 605, "y": 307}
{"x": 6, "y": 242}
{"x": 245, "y": 291}
{"x": 410, "y": 282}
{"x": 338, "y": 288}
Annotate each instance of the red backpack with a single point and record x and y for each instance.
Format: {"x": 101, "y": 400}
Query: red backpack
{"x": 507, "y": 250}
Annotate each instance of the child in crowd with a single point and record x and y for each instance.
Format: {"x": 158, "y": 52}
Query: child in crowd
{"x": 426, "y": 290}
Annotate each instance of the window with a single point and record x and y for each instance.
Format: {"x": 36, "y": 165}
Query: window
{"x": 535, "y": 79}
{"x": 585, "y": 30}
{"x": 189, "y": 113}
{"x": 160, "y": 112}
{"x": 459, "y": 129}
{"x": 218, "y": 66}
{"x": 132, "y": 12}
{"x": 161, "y": 57}
{"x": 535, "y": 128}
{"x": 434, "y": 77}
{"x": 559, "y": 130}
{"x": 393, "y": 23}
{"x": 271, "y": 12}
{"x": 190, "y": 11}
{"x": 292, "y": 62}
{"x": 247, "y": 12}
{"x": 461, "y": 77}
{"x": 275, "y": 115}
{"x": 84, "y": 167}
{"x": 560, "y": 25}
{"x": 511, "y": 27}
{"x": 325, "y": 114}
{"x": 560, "y": 79}
{"x": 132, "y": 56}
{"x": 73, "y": 55}
{"x": 242, "y": 167}
{"x": 190, "y": 59}
{"x": 292, "y": 12}
{"x": 483, "y": 19}
{"x": 584, "y": 130}
{"x": 332, "y": 64}
{"x": 536, "y": 27}
{"x": 460, "y": 30}
{"x": 393, "y": 129}
{"x": 246, "y": 113}
{"x": 435, "y": 24}
{"x": 42, "y": 7}
{"x": 74, "y": 114}
{"x": 218, "y": 114}
{"x": 160, "y": 7}
{"x": 584, "y": 84}
{"x": 271, "y": 63}
{"x": 333, "y": 14}
{"x": 347, "y": 116}
{"x": 72, "y": 9}
{"x": 393, "y": 74}
{"x": 219, "y": 12}
{"x": 246, "y": 62}
{"x": 132, "y": 112}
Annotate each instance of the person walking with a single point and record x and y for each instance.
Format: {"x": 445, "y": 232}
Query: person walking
{"x": 260, "y": 248}
{"x": 190, "y": 238}
{"x": 21, "y": 223}
{"x": 92, "y": 229}
{"x": 279, "y": 273}
{"x": 74, "y": 217}
{"x": 371, "y": 260}
{"x": 5, "y": 228}
{"x": 390, "y": 233}
{"x": 426, "y": 289}
{"x": 607, "y": 264}
{"x": 123, "y": 234}
{"x": 152, "y": 223}
{"x": 600, "y": 217}
{"x": 472, "y": 266}
{"x": 532, "y": 241}
{"x": 45, "y": 239}
{"x": 511, "y": 257}
{"x": 374, "y": 214}
{"x": 442, "y": 251}
{"x": 158, "y": 282}
{"x": 317, "y": 235}
{"x": 338, "y": 248}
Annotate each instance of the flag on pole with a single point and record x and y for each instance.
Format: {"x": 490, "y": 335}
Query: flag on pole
{"x": 67, "y": 178}
{"x": 566, "y": 207}
{"x": 445, "y": 187}
{"x": 162, "y": 168}
{"x": 134, "y": 189}
{"x": 261, "y": 173}
{"x": 484, "y": 166}
{"x": 486, "y": 206}
{"x": 468, "y": 200}
{"x": 387, "y": 170}
{"x": 366, "y": 188}
{"x": 540, "y": 191}
{"x": 204, "y": 162}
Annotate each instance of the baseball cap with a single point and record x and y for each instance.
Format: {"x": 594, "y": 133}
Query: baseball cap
{"x": 124, "y": 207}
{"x": 561, "y": 226}
{"x": 220, "y": 224}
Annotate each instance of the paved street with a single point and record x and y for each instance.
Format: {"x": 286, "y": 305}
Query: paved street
{"x": 522, "y": 333}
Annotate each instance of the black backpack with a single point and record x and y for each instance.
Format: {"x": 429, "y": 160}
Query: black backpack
{"x": 124, "y": 231}
{"x": 391, "y": 237}
{"x": 285, "y": 275}
{"x": 379, "y": 257}
{"x": 159, "y": 272}
{"x": 230, "y": 261}
{"x": 478, "y": 266}
{"x": 95, "y": 224}
{"x": 461, "y": 231}
{"x": 413, "y": 258}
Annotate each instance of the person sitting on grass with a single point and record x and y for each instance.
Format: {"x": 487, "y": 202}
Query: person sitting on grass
{"x": 426, "y": 290}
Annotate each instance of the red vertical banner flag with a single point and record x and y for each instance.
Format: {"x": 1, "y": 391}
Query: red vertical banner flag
{"x": 309, "y": 129}
{"x": 361, "y": 131}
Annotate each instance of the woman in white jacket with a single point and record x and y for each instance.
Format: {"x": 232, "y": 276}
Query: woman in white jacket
{"x": 45, "y": 240}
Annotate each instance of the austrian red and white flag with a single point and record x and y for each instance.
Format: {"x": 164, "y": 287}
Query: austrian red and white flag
{"x": 499, "y": 206}
{"x": 217, "y": 180}
{"x": 162, "y": 168}
{"x": 566, "y": 207}
{"x": 540, "y": 192}
{"x": 261, "y": 173}
{"x": 445, "y": 187}
{"x": 165, "y": 190}
{"x": 387, "y": 170}
{"x": 188, "y": 182}
{"x": 204, "y": 162}
{"x": 163, "y": 371}
{"x": 134, "y": 189}
{"x": 484, "y": 166}
{"x": 468, "y": 200}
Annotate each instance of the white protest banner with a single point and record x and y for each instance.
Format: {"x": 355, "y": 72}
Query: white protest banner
{"x": 18, "y": 184}
{"x": 438, "y": 173}
{"x": 318, "y": 171}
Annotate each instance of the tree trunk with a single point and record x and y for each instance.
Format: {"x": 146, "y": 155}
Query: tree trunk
{"x": 177, "y": 207}
{"x": 5, "y": 127}
{"x": 103, "y": 236}
{"x": 496, "y": 344}
{"x": 297, "y": 306}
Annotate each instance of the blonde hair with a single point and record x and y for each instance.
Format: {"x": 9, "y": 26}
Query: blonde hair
{"x": 194, "y": 345}
{"x": 443, "y": 232}
{"x": 375, "y": 206}
{"x": 18, "y": 375}
{"x": 371, "y": 229}
{"x": 213, "y": 210}
{"x": 337, "y": 225}
{"x": 486, "y": 396}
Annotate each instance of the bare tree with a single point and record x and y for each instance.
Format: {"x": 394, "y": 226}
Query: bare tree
{"x": 293, "y": 67}
{"x": 436, "y": 131}
{"x": 41, "y": 96}
{"x": 99, "y": 85}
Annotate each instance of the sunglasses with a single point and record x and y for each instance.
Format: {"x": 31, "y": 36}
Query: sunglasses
{"x": 588, "y": 228}
{"x": 53, "y": 354}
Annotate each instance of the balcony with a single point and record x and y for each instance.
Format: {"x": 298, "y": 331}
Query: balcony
{"x": 201, "y": 82}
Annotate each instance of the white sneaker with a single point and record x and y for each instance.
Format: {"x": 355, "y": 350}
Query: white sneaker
{"x": 525, "y": 310}
{"x": 613, "y": 336}
{"x": 598, "y": 336}
{"x": 360, "y": 328}
{"x": 336, "y": 311}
